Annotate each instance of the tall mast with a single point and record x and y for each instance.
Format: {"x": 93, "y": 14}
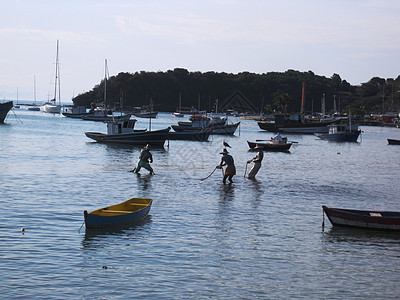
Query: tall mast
{"x": 105, "y": 83}
{"x": 56, "y": 79}
{"x": 34, "y": 89}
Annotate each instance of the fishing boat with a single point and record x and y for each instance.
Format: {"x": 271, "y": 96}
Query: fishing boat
{"x": 295, "y": 123}
{"x": 123, "y": 132}
{"x": 130, "y": 211}
{"x": 393, "y": 142}
{"x": 75, "y": 112}
{"x": 52, "y": 106}
{"x": 341, "y": 132}
{"x": 214, "y": 123}
{"x": 146, "y": 114}
{"x": 4, "y": 109}
{"x": 271, "y": 145}
{"x": 382, "y": 220}
{"x": 193, "y": 135}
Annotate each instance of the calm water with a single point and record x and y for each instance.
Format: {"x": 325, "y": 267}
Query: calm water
{"x": 252, "y": 239}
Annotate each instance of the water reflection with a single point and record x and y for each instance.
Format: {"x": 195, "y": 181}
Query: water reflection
{"x": 359, "y": 236}
{"x": 96, "y": 238}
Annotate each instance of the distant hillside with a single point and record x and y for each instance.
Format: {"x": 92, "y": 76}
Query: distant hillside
{"x": 269, "y": 92}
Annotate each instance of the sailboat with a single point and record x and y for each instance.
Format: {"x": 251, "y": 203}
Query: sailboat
{"x": 101, "y": 114}
{"x": 34, "y": 107}
{"x": 51, "y": 106}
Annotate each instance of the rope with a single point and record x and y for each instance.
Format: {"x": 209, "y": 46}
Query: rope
{"x": 208, "y": 175}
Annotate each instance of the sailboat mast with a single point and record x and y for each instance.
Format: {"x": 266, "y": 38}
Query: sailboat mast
{"x": 105, "y": 84}
{"x": 34, "y": 89}
{"x": 56, "y": 79}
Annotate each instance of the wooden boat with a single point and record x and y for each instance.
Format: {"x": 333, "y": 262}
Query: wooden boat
{"x": 295, "y": 123}
{"x": 123, "y": 132}
{"x": 341, "y": 132}
{"x": 4, "y": 109}
{"x": 271, "y": 145}
{"x": 193, "y": 135}
{"x": 146, "y": 114}
{"x": 382, "y": 220}
{"x": 126, "y": 212}
{"x": 393, "y": 142}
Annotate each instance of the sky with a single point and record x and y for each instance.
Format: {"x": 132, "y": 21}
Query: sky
{"x": 357, "y": 39}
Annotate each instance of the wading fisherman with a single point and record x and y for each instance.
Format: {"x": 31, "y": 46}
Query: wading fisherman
{"x": 227, "y": 160}
{"x": 145, "y": 159}
{"x": 257, "y": 162}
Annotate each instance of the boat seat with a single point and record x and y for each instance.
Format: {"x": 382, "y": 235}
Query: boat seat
{"x": 116, "y": 211}
{"x": 138, "y": 204}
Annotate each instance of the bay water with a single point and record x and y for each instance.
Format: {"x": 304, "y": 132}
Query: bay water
{"x": 252, "y": 239}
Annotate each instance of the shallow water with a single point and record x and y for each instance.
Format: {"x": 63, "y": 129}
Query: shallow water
{"x": 202, "y": 239}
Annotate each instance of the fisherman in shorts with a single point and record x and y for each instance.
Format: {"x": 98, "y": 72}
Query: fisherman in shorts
{"x": 257, "y": 162}
{"x": 145, "y": 159}
{"x": 227, "y": 160}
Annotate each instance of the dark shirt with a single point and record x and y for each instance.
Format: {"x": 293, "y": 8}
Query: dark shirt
{"x": 146, "y": 156}
{"x": 227, "y": 159}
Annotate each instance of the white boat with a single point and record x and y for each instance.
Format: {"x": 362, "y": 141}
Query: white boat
{"x": 52, "y": 106}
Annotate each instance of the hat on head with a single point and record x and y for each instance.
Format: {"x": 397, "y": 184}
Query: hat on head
{"x": 258, "y": 147}
{"x": 224, "y": 151}
{"x": 147, "y": 147}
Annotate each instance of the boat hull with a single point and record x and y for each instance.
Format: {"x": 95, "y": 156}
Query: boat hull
{"x": 199, "y": 135}
{"x": 308, "y": 128}
{"x": 345, "y": 137}
{"x": 4, "y": 109}
{"x": 270, "y": 146}
{"x": 393, "y": 142}
{"x": 128, "y": 212}
{"x": 228, "y": 129}
{"x": 105, "y": 118}
{"x": 50, "y": 108}
{"x": 154, "y": 138}
{"x": 380, "y": 220}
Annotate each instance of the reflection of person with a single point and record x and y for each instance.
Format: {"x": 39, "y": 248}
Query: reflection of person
{"x": 227, "y": 160}
{"x": 144, "y": 159}
{"x": 277, "y": 137}
{"x": 257, "y": 162}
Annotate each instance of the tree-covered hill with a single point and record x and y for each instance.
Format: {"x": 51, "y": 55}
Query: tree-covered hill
{"x": 269, "y": 92}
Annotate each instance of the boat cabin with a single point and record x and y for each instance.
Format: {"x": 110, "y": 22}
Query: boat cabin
{"x": 116, "y": 127}
{"x": 342, "y": 128}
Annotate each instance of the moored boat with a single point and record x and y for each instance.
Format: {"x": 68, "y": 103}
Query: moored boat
{"x": 130, "y": 211}
{"x": 295, "y": 123}
{"x": 381, "y": 220}
{"x": 341, "y": 132}
{"x": 393, "y": 142}
{"x": 123, "y": 132}
{"x": 193, "y": 135}
{"x": 271, "y": 145}
{"x": 4, "y": 109}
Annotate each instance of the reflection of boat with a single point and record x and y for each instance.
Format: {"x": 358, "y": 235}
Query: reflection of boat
{"x": 4, "y": 109}
{"x": 130, "y": 211}
{"x": 51, "y": 106}
{"x": 393, "y": 142}
{"x": 382, "y": 220}
{"x": 341, "y": 132}
{"x": 271, "y": 145}
{"x": 123, "y": 132}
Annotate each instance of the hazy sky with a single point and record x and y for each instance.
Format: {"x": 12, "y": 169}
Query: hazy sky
{"x": 357, "y": 39}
